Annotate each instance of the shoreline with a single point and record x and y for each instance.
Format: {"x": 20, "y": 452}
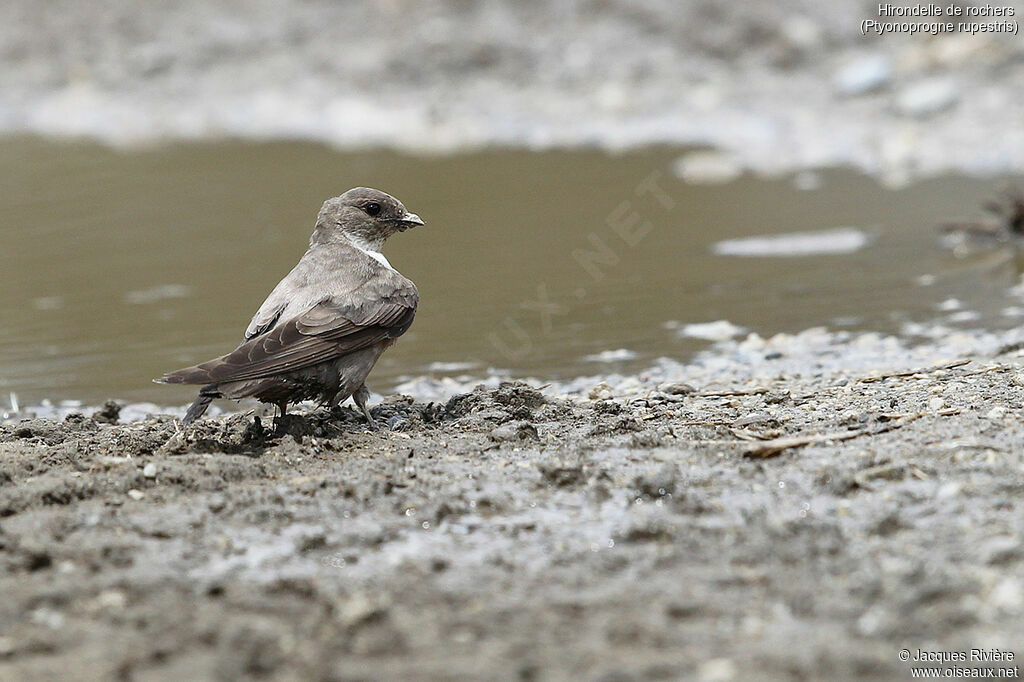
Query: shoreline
{"x": 744, "y": 359}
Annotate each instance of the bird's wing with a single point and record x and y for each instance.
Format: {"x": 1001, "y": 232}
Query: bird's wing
{"x": 329, "y": 330}
{"x": 265, "y": 318}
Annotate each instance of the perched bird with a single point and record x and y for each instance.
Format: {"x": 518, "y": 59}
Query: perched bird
{"x": 323, "y": 327}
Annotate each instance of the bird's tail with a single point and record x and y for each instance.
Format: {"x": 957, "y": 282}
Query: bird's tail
{"x": 197, "y": 374}
{"x": 197, "y": 408}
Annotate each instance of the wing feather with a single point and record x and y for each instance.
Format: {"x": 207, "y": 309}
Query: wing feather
{"x": 327, "y": 331}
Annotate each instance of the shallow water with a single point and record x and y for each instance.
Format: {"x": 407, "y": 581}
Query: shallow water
{"x": 118, "y": 266}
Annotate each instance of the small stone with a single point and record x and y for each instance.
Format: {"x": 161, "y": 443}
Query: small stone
{"x": 864, "y": 75}
{"x": 47, "y": 617}
{"x": 936, "y": 404}
{"x": 110, "y": 413}
{"x": 111, "y": 600}
{"x": 716, "y": 670}
{"x": 514, "y": 431}
{"x": 928, "y": 97}
{"x": 136, "y": 494}
{"x": 399, "y": 423}
{"x": 753, "y": 418}
{"x": 149, "y": 471}
{"x": 600, "y": 391}
{"x": 674, "y": 388}
{"x": 359, "y": 609}
{"x": 996, "y": 413}
{"x": 1000, "y": 550}
{"x": 1007, "y": 595}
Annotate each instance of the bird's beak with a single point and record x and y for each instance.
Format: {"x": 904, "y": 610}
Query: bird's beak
{"x": 411, "y": 219}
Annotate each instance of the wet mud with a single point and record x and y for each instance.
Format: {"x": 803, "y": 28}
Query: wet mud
{"x": 804, "y": 526}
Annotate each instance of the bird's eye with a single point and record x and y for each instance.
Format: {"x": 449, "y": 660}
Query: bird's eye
{"x": 373, "y": 208}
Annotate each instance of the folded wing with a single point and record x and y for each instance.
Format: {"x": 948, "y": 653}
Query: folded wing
{"x": 327, "y": 331}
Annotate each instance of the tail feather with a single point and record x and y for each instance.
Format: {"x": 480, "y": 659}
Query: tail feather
{"x": 189, "y": 375}
{"x": 197, "y": 408}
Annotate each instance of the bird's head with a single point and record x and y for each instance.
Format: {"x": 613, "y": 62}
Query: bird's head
{"x": 362, "y": 216}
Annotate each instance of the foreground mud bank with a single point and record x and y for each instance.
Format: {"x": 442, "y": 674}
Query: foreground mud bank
{"x": 798, "y": 526}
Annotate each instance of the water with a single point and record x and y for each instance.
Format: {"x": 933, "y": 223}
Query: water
{"x": 118, "y": 266}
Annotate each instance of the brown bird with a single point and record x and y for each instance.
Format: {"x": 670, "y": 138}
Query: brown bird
{"x": 323, "y": 327}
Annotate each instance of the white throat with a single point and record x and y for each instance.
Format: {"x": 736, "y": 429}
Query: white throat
{"x": 371, "y": 249}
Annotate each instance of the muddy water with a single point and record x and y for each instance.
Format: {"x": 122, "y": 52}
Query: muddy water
{"x": 116, "y": 266}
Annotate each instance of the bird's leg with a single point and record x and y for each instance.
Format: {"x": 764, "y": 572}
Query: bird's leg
{"x": 279, "y": 421}
{"x": 360, "y": 396}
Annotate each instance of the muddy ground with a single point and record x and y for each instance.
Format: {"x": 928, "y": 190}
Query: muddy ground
{"x": 505, "y": 534}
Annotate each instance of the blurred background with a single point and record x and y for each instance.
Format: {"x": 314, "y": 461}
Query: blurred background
{"x": 604, "y": 182}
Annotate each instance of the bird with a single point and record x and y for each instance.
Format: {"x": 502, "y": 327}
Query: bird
{"x": 324, "y": 326}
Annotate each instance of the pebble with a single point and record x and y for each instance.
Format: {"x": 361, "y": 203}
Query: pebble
{"x": 600, "y": 391}
{"x": 360, "y": 608}
{"x": 149, "y": 471}
{"x": 752, "y": 418}
{"x": 47, "y": 617}
{"x": 716, "y": 670}
{"x": 863, "y": 75}
{"x": 927, "y": 97}
{"x": 936, "y": 404}
{"x": 1008, "y": 595}
{"x": 136, "y": 494}
{"x": 996, "y": 413}
{"x": 112, "y": 600}
{"x": 514, "y": 431}
{"x": 1000, "y": 550}
{"x": 674, "y": 388}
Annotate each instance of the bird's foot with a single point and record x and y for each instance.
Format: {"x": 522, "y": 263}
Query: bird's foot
{"x": 360, "y": 397}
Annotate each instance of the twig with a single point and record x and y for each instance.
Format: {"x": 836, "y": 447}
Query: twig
{"x": 888, "y": 470}
{"x": 726, "y": 394}
{"x": 908, "y": 373}
{"x": 994, "y": 368}
{"x": 770, "y": 448}
{"x": 747, "y": 435}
